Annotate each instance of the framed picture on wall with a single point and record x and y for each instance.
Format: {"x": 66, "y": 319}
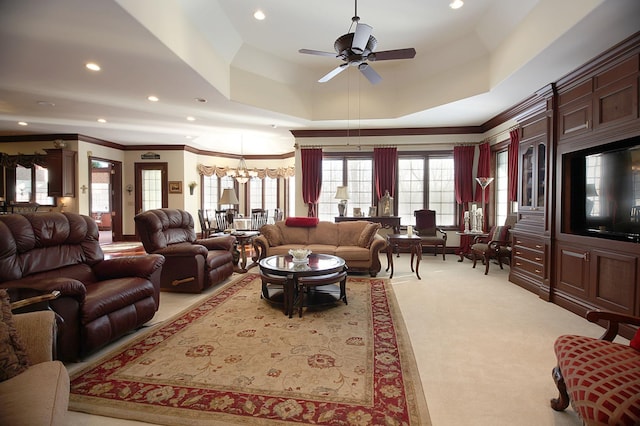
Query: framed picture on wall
{"x": 175, "y": 187}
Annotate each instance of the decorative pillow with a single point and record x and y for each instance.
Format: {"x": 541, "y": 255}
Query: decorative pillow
{"x": 367, "y": 235}
{"x": 13, "y": 357}
{"x": 635, "y": 342}
{"x": 272, "y": 234}
{"x": 302, "y": 222}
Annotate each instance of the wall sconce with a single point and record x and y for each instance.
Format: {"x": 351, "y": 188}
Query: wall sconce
{"x": 129, "y": 188}
{"x": 84, "y": 189}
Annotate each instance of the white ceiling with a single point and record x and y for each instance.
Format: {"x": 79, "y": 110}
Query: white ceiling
{"x": 471, "y": 64}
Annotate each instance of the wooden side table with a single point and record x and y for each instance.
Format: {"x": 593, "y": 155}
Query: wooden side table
{"x": 414, "y": 242}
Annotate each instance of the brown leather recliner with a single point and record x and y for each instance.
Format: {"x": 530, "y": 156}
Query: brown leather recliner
{"x": 100, "y": 300}
{"x": 192, "y": 264}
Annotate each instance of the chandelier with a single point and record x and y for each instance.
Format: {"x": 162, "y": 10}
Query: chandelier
{"x": 242, "y": 173}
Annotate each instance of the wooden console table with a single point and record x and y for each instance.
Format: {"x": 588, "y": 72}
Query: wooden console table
{"x": 392, "y": 222}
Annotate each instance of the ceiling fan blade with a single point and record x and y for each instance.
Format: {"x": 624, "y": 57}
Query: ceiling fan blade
{"x": 387, "y": 55}
{"x": 317, "y": 52}
{"x": 333, "y": 73}
{"x": 370, "y": 73}
{"x": 361, "y": 37}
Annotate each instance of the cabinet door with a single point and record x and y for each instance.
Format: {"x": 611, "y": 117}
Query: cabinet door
{"x": 572, "y": 270}
{"x": 533, "y": 160}
{"x": 61, "y": 167}
{"x": 613, "y": 280}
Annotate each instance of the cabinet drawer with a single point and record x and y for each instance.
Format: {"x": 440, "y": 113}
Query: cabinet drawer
{"x": 529, "y": 244}
{"x": 523, "y": 252}
{"x": 534, "y": 268}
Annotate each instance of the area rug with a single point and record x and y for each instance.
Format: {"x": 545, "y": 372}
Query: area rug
{"x": 235, "y": 359}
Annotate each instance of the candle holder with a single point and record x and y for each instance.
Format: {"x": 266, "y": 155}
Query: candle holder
{"x": 483, "y": 182}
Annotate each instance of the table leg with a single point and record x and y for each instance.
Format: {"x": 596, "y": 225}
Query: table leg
{"x": 418, "y": 248}
{"x": 390, "y": 259}
{"x": 289, "y": 297}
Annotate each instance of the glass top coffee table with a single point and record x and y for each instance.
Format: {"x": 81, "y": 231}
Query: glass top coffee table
{"x": 284, "y": 266}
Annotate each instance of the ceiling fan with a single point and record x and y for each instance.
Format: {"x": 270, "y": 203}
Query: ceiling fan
{"x": 357, "y": 48}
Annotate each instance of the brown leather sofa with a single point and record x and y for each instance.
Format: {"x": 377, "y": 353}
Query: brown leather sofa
{"x": 192, "y": 264}
{"x": 100, "y": 300}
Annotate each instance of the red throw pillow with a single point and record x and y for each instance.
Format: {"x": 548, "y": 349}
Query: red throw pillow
{"x": 302, "y": 222}
{"x": 635, "y": 342}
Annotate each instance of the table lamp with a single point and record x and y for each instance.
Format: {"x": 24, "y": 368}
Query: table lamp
{"x": 342, "y": 194}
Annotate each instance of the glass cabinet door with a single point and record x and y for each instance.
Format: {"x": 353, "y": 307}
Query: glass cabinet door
{"x": 533, "y": 163}
{"x": 527, "y": 177}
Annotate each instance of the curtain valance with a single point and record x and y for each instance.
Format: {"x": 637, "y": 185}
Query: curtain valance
{"x": 280, "y": 172}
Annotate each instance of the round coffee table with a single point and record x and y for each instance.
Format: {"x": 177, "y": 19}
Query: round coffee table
{"x": 284, "y": 266}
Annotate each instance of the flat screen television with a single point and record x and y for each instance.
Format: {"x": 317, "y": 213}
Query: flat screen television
{"x": 605, "y": 190}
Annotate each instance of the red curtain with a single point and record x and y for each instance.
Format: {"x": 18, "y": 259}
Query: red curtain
{"x": 484, "y": 170}
{"x": 512, "y": 166}
{"x": 385, "y": 162}
{"x": 463, "y": 178}
{"x": 311, "y": 178}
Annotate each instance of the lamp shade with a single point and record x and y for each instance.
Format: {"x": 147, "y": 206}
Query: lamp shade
{"x": 342, "y": 193}
{"x": 229, "y": 196}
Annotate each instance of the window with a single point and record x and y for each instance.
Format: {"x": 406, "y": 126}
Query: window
{"x": 31, "y": 185}
{"x": 439, "y": 194}
{"x": 360, "y": 184}
{"x": 332, "y": 177}
{"x": 270, "y": 194}
{"x": 501, "y": 187}
{"x": 211, "y": 193}
{"x": 255, "y": 194}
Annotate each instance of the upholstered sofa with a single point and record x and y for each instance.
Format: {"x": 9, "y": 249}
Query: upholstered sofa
{"x": 357, "y": 242}
{"x": 34, "y": 389}
{"x": 100, "y": 300}
{"x": 192, "y": 264}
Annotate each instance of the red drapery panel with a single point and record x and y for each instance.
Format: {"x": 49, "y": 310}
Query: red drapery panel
{"x": 311, "y": 178}
{"x": 512, "y": 166}
{"x": 463, "y": 177}
{"x": 385, "y": 162}
{"x": 484, "y": 170}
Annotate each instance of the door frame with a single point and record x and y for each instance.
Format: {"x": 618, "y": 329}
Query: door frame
{"x": 115, "y": 181}
{"x": 138, "y": 168}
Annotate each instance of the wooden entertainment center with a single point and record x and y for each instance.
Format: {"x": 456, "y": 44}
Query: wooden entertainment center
{"x": 562, "y": 252}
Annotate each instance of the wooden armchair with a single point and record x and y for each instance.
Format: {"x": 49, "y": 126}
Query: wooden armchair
{"x": 258, "y": 218}
{"x": 599, "y": 377}
{"x": 428, "y": 231}
{"x": 497, "y": 245}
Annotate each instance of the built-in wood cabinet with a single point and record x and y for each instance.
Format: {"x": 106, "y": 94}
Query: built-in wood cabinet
{"x": 61, "y": 168}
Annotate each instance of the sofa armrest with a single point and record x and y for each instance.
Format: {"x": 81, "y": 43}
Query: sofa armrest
{"x": 614, "y": 320}
{"x": 128, "y": 266}
{"x": 261, "y": 245}
{"x": 182, "y": 250}
{"x": 225, "y": 242}
{"x": 37, "y": 331}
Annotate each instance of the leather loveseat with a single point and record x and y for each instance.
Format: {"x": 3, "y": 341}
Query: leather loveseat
{"x": 192, "y": 264}
{"x": 100, "y": 300}
{"x": 357, "y": 242}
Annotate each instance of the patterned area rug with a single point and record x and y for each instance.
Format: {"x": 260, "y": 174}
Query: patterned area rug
{"x": 235, "y": 359}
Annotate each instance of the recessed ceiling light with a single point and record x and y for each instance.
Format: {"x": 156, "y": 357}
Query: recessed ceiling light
{"x": 92, "y": 66}
{"x": 201, "y": 100}
{"x": 189, "y": 137}
{"x": 46, "y": 103}
{"x": 23, "y": 123}
{"x": 456, "y": 4}
{"x": 191, "y": 118}
{"x": 259, "y": 15}
{"x": 101, "y": 120}
{"x": 153, "y": 98}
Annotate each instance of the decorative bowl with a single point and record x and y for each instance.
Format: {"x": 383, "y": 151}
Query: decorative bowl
{"x": 299, "y": 255}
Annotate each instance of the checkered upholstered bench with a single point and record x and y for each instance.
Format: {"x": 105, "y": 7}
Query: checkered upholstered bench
{"x": 600, "y": 378}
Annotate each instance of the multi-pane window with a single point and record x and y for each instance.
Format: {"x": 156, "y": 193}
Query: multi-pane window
{"x": 442, "y": 196}
{"x": 255, "y": 193}
{"x": 359, "y": 183}
{"x": 270, "y": 194}
{"x": 211, "y": 193}
{"x": 410, "y": 188}
{"x": 32, "y": 185}
{"x": 151, "y": 189}
{"x": 332, "y": 177}
{"x": 291, "y": 185}
{"x": 501, "y": 186}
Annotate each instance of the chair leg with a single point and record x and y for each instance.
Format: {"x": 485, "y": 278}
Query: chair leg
{"x": 474, "y": 258}
{"x": 562, "y": 401}
{"x": 486, "y": 264}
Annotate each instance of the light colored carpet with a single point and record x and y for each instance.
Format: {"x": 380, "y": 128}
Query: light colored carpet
{"x": 484, "y": 346}
{"x": 233, "y": 358}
